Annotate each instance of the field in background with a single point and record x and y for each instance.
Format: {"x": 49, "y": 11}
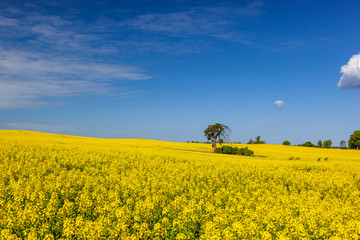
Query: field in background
{"x": 57, "y": 186}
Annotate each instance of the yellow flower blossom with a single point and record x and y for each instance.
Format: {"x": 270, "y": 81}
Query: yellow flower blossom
{"x": 65, "y": 187}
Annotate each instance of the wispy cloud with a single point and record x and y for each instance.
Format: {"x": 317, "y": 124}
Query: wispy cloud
{"x": 8, "y": 22}
{"x": 27, "y": 77}
{"x": 45, "y": 55}
{"x": 49, "y": 32}
{"x": 351, "y": 73}
{"x": 21, "y": 64}
{"x": 50, "y": 56}
{"x": 108, "y": 36}
{"x": 214, "y": 22}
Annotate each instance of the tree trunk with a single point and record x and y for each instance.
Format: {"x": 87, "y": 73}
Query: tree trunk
{"x": 214, "y": 145}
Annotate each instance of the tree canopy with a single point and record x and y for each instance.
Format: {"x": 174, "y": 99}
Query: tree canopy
{"x": 354, "y": 141}
{"x": 258, "y": 141}
{"x": 286, "y": 142}
{"x": 217, "y": 133}
{"x": 308, "y": 144}
{"x": 327, "y": 144}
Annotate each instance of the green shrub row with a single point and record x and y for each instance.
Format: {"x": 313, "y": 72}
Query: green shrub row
{"x": 235, "y": 150}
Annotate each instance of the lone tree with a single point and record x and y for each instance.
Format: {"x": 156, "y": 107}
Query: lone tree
{"x": 217, "y": 133}
{"x": 354, "y": 141}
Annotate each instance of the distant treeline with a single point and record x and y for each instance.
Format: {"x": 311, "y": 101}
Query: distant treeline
{"x": 353, "y": 143}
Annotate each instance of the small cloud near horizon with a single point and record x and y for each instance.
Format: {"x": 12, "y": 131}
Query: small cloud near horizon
{"x": 351, "y": 73}
{"x": 279, "y": 104}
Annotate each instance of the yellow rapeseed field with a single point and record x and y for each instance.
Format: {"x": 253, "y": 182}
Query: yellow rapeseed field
{"x": 65, "y": 187}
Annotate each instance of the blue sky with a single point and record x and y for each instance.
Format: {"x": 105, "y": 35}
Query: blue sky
{"x": 167, "y": 69}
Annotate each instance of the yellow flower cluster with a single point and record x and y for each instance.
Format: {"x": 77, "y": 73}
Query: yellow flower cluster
{"x": 64, "y": 187}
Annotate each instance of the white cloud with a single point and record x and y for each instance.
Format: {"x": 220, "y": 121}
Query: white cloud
{"x": 279, "y": 104}
{"x": 351, "y": 73}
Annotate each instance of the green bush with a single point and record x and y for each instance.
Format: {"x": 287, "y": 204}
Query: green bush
{"x": 235, "y": 150}
{"x": 245, "y": 151}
